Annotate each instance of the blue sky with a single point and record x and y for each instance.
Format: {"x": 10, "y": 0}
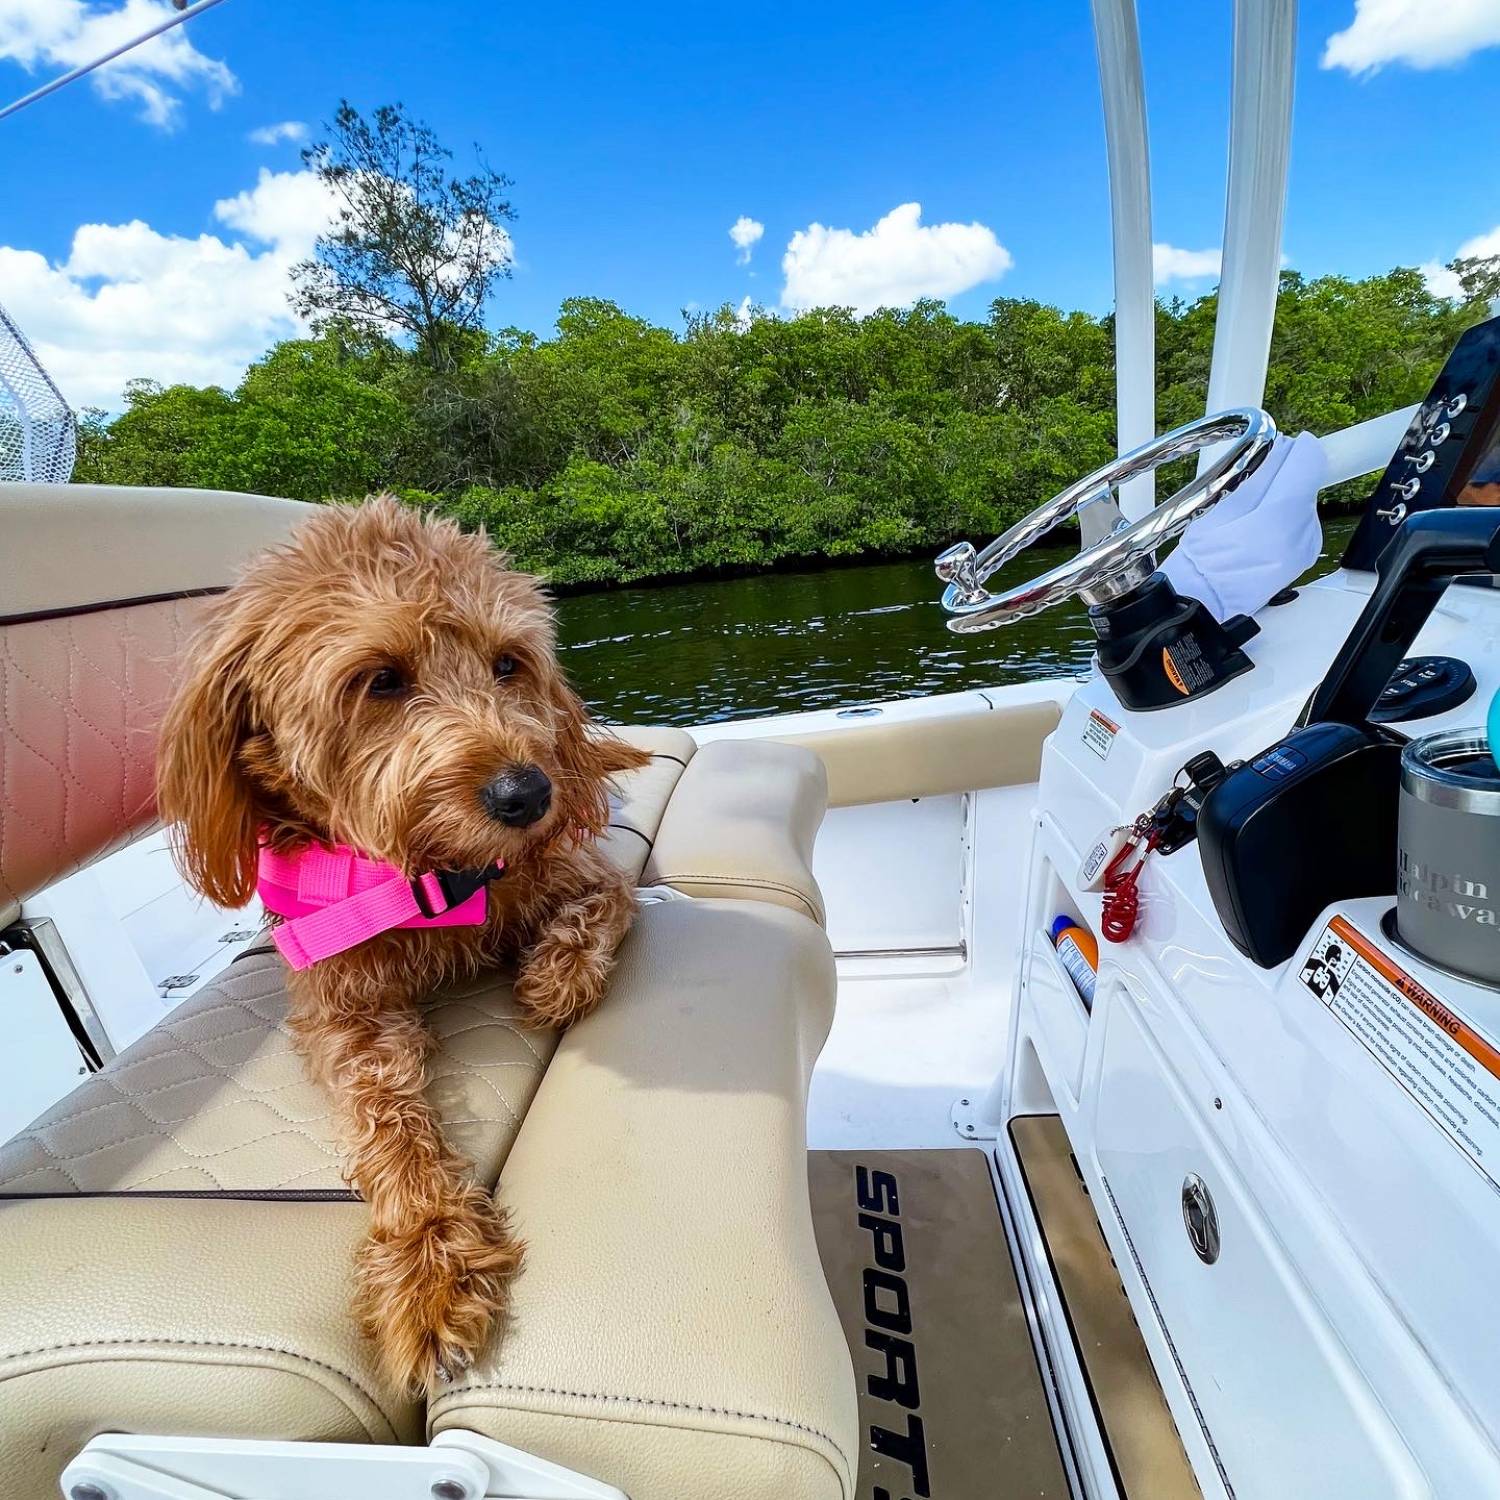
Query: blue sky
{"x": 146, "y": 232}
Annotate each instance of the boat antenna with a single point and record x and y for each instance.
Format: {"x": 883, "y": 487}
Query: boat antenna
{"x": 184, "y": 12}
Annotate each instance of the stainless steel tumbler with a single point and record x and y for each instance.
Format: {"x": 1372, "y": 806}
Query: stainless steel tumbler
{"x": 1448, "y": 861}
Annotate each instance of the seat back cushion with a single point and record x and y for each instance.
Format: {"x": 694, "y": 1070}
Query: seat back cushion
{"x": 102, "y": 590}
{"x": 742, "y": 823}
{"x": 672, "y": 1333}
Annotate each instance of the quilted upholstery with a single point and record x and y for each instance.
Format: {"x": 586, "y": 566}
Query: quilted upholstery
{"x": 80, "y": 699}
{"x": 214, "y": 1098}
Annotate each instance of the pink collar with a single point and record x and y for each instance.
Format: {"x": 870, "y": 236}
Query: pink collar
{"x": 333, "y": 899}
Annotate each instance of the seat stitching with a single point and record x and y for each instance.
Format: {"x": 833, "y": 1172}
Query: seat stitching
{"x": 483, "y": 1023}
{"x": 192, "y": 1156}
{"x": 252, "y": 1096}
{"x": 172, "y": 1343}
{"x": 311, "y": 1172}
{"x": 55, "y": 1165}
{"x": 187, "y": 1166}
{"x": 450, "y": 1064}
{"x": 751, "y": 882}
{"x": 514, "y": 1027}
{"x": 647, "y": 1401}
{"x": 504, "y": 1102}
{"x": 334, "y": 1157}
{"x": 283, "y": 1182}
{"x": 64, "y": 775}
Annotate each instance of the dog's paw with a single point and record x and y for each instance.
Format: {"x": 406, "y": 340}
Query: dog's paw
{"x": 430, "y": 1294}
{"x": 562, "y": 978}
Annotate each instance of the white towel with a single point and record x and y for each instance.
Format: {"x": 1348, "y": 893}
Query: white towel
{"x": 1263, "y": 537}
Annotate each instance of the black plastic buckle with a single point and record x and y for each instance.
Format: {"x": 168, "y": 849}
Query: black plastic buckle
{"x": 456, "y": 885}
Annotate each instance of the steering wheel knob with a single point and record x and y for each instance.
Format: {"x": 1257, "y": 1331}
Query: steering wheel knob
{"x": 958, "y": 567}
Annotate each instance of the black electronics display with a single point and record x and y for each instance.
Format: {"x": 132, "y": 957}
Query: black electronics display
{"x": 1450, "y": 455}
{"x": 1423, "y": 686}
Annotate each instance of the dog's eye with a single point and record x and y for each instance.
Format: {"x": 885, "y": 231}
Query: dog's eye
{"x": 386, "y": 682}
{"x": 505, "y": 666}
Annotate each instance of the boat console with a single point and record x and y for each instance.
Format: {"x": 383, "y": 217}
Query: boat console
{"x": 1286, "y": 1118}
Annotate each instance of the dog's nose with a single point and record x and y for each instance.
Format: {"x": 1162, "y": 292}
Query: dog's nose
{"x": 518, "y": 797}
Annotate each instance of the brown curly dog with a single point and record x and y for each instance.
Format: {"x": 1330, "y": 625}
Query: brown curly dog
{"x": 385, "y": 682}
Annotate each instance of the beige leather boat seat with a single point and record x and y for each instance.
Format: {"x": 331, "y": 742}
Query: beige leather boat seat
{"x": 184, "y": 1268}
{"x": 175, "y": 1236}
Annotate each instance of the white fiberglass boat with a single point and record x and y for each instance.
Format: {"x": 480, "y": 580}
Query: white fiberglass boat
{"x": 884, "y": 1171}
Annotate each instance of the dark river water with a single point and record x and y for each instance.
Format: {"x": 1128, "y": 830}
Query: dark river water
{"x": 738, "y": 648}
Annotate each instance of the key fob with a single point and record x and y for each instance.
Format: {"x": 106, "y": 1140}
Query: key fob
{"x": 1099, "y": 856}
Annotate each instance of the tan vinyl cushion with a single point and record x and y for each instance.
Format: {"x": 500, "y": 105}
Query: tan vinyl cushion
{"x": 136, "y": 1296}
{"x": 640, "y": 798}
{"x": 742, "y": 823}
{"x": 80, "y": 700}
{"x": 214, "y": 1098}
{"x": 74, "y": 545}
{"x": 672, "y": 1333}
{"x": 192, "y": 1316}
{"x": 82, "y": 690}
{"x": 933, "y": 755}
{"x": 139, "y": 1293}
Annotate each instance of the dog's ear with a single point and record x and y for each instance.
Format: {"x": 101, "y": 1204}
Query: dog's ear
{"x": 587, "y": 757}
{"x": 201, "y": 785}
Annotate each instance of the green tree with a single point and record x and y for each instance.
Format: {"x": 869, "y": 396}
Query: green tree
{"x": 412, "y": 249}
{"x": 615, "y": 450}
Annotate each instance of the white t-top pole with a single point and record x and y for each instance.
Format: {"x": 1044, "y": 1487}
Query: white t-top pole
{"x": 1117, "y": 37}
{"x": 1260, "y": 135}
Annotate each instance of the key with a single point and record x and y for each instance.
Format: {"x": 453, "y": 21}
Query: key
{"x": 1176, "y": 816}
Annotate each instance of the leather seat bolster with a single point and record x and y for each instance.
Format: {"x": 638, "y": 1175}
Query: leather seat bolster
{"x": 640, "y": 797}
{"x": 672, "y": 1332}
{"x": 192, "y": 1316}
{"x": 964, "y": 748}
{"x": 742, "y": 823}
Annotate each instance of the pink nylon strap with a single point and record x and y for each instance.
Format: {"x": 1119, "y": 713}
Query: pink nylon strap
{"x": 333, "y": 899}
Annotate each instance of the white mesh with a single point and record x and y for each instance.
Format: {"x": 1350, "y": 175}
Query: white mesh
{"x": 38, "y": 434}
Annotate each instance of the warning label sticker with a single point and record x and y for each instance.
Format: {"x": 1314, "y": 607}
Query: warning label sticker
{"x": 1099, "y": 734}
{"x": 1446, "y": 1066}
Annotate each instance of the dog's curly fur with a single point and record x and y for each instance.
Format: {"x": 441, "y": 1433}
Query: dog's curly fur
{"x": 360, "y": 685}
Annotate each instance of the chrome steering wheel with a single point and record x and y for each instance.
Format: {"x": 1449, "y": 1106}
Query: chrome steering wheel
{"x": 1116, "y": 556}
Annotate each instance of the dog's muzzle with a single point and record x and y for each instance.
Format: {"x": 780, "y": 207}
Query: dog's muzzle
{"x": 518, "y": 797}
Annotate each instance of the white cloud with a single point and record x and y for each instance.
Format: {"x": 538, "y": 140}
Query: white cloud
{"x": 274, "y": 135}
{"x": 130, "y": 301}
{"x": 1442, "y": 282}
{"x": 744, "y": 314}
{"x": 745, "y": 232}
{"x": 287, "y": 210}
{"x": 1421, "y": 33}
{"x": 891, "y": 265}
{"x": 55, "y": 35}
{"x": 1168, "y": 263}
